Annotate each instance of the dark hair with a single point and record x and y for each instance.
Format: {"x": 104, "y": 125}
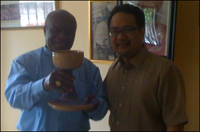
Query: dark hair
{"x": 129, "y": 9}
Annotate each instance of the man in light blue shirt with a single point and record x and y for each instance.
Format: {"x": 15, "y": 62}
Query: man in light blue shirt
{"x": 31, "y": 84}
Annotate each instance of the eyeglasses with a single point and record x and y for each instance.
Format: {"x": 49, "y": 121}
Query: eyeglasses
{"x": 125, "y": 31}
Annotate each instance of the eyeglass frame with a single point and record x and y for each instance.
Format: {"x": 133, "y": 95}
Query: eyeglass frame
{"x": 121, "y": 31}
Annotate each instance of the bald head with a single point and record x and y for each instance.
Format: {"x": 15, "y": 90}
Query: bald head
{"x": 60, "y": 14}
{"x": 60, "y": 28}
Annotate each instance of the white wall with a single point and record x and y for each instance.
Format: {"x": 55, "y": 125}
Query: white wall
{"x": 16, "y": 42}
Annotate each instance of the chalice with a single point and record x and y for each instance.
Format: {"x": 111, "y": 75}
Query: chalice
{"x": 69, "y": 60}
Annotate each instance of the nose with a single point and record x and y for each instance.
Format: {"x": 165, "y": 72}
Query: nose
{"x": 121, "y": 35}
{"x": 61, "y": 35}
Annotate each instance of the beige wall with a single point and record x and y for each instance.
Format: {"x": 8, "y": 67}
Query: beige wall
{"x": 16, "y": 42}
{"x": 187, "y": 56}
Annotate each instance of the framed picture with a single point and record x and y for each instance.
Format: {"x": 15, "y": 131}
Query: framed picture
{"x": 160, "y": 20}
{"x": 25, "y": 14}
{"x": 100, "y": 49}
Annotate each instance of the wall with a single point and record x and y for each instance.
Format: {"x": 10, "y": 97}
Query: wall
{"x": 187, "y": 57}
{"x": 16, "y": 42}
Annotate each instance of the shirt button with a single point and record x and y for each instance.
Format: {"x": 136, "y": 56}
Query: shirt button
{"x": 120, "y": 104}
{"x": 117, "y": 123}
{"x": 123, "y": 88}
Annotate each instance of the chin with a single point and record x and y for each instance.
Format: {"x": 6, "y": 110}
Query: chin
{"x": 122, "y": 51}
{"x": 59, "y": 48}
{"x": 125, "y": 54}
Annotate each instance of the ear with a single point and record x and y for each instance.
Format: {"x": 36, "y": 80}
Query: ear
{"x": 142, "y": 31}
{"x": 44, "y": 29}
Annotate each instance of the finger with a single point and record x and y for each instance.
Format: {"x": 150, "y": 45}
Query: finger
{"x": 68, "y": 83}
{"x": 62, "y": 76}
{"x": 66, "y": 90}
{"x": 66, "y": 75}
{"x": 62, "y": 80}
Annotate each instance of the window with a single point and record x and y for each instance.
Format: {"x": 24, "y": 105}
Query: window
{"x": 33, "y": 13}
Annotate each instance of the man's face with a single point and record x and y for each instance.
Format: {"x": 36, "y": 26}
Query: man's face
{"x": 60, "y": 33}
{"x": 126, "y": 45}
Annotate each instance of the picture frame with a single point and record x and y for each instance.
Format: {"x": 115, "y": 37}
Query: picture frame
{"x": 160, "y": 23}
{"x": 100, "y": 49}
{"x": 25, "y": 14}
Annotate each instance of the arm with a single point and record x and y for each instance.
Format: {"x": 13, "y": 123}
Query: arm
{"x": 172, "y": 97}
{"x": 22, "y": 91}
{"x": 99, "y": 93}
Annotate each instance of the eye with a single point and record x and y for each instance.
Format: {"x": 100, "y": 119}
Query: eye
{"x": 114, "y": 31}
{"x": 55, "y": 30}
{"x": 68, "y": 33}
{"x": 127, "y": 30}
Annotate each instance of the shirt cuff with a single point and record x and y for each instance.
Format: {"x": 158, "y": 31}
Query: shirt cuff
{"x": 38, "y": 89}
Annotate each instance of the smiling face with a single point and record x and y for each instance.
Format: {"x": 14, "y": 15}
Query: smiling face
{"x": 126, "y": 45}
{"x": 59, "y": 30}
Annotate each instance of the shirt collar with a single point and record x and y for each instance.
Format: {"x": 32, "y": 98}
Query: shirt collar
{"x": 47, "y": 51}
{"x": 137, "y": 60}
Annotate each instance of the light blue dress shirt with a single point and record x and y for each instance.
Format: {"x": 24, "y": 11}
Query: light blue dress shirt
{"x": 24, "y": 90}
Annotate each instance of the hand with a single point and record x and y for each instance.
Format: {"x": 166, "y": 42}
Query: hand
{"x": 92, "y": 99}
{"x": 59, "y": 79}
